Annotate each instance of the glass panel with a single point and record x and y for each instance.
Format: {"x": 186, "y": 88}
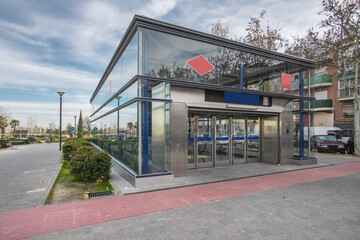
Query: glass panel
{"x": 296, "y": 137}
{"x": 238, "y": 128}
{"x": 204, "y": 139}
{"x": 204, "y": 152}
{"x": 125, "y": 69}
{"x": 222, "y": 139}
{"x": 191, "y": 138}
{"x": 126, "y": 96}
{"x": 168, "y": 56}
{"x": 204, "y": 129}
{"x": 125, "y": 147}
{"x": 128, "y": 136}
{"x": 253, "y": 130}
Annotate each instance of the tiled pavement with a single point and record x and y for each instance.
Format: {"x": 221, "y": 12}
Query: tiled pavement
{"x": 212, "y": 211}
{"x": 27, "y": 174}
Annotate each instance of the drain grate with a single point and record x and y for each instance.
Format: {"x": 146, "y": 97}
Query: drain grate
{"x": 98, "y": 194}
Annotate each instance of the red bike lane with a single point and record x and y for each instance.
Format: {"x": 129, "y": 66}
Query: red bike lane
{"x": 37, "y": 221}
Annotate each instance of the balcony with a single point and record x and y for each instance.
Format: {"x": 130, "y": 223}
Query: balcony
{"x": 320, "y": 105}
{"x": 319, "y": 81}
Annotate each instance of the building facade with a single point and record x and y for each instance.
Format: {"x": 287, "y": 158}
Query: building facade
{"x": 174, "y": 99}
{"x": 334, "y": 104}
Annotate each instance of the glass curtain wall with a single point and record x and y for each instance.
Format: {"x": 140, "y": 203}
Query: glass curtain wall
{"x": 125, "y": 69}
{"x": 167, "y": 55}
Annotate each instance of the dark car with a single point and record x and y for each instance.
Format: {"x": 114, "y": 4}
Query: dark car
{"x": 350, "y": 145}
{"x": 326, "y": 143}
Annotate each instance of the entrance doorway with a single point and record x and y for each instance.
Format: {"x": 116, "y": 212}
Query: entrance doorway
{"x": 221, "y": 139}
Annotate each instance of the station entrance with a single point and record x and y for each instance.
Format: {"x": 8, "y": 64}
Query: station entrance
{"x": 221, "y": 139}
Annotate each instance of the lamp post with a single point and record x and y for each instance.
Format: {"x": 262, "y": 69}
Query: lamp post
{"x": 60, "y": 93}
{"x": 75, "y": 125}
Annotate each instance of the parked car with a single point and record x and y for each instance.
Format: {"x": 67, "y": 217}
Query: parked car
{"x": 338, "y": 133}
{"x": 326, "y": 143}
{"x": 350, "y": 145}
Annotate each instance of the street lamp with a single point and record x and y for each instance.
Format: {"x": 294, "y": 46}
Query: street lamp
{"x": 60, "y": 94}
{"x": 75, "y": 125}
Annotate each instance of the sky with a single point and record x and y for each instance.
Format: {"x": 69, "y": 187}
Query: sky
{"x": 48, "y": 46}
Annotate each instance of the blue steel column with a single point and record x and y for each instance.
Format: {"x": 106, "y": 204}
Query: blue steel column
{"x": 301, "y": 140}
{"x": 145, "y": 109}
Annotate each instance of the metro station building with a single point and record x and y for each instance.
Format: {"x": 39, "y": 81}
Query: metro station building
{"x": 174, "y": 99}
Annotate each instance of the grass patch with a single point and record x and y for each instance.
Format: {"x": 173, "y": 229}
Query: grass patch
{"x": 67, "y": 189}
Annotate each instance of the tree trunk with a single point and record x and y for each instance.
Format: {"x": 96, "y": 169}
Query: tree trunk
{"x": 356, "y": 110}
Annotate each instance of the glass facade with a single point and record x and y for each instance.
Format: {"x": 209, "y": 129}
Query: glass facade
{"x": 167, "y": 56}
{"x": 134, "y": 127}
{"x": 124, "y": 70}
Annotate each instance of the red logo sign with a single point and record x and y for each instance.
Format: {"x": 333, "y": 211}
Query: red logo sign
{"x": 200, "y": 65}
{"x": 286, "y": 80}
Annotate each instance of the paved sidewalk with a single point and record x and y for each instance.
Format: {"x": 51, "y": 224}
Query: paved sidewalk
{"x": 224, "y": 173}
{"x": 27, "y": 174}
{"x": 324, "y": 210}
{"x": 55, "y": 218}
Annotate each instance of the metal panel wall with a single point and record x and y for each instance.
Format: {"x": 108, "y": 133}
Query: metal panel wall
{"x": 286, "y": 134}
{"x": 178, "y": 142}
{"x": 269, "y": 139}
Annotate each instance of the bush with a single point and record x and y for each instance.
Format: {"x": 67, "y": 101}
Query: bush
{"x": 3, "y": 143}
{"x": 89, "y": 165}
{"x": 71, "y": 146}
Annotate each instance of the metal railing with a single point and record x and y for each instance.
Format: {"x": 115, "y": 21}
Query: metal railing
{"x": 346, "y": 93}
{"x": 319, "y": 79}
{"x": 323, "y": 103}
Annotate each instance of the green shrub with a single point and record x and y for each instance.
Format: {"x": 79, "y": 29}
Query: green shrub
{"x": 89, "y": 165}
{"x": 71, "y": 146}
{"x": 3, "y": 143}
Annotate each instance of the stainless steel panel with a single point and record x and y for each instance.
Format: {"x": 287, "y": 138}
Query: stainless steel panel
{"x": 178, "y": 146}
{"x": 269, "y": 139}
{"x": 286, "y": 134}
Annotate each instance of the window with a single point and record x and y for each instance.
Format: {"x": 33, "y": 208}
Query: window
{"x": 321, "y": 95}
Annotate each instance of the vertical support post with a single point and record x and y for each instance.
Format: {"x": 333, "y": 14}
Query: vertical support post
{"x": 301, "y": 130}
{"x": 241, "y": 73}
{"x": 309, "y": 116}
{"x": 144, "y": 106}
{"x": 145, "y": 129}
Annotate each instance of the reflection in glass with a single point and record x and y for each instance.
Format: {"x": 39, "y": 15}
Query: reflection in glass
{"x": 222, "y": 139}
{"x": 204, "y": 139}
{"x": 253, "y": 143}
{"x": 167, "y": 56}
{"x": 191, "y": 139}
{"x": 238, "y": 137}
{"x": 124, "y": 70}
{"x": 204, "y": 152}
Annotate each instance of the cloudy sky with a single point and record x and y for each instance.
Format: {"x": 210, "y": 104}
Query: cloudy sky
{"x": 48, "y": 46}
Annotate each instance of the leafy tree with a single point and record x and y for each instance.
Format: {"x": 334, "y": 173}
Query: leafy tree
{"x": 87, "y": 123}
{"x": 264, "y": 37}
{"x": 14, "y": 123}
{"x": 341, "y": 36}
{"x": 80, "y": 126}
{"x": 3, "y": 123}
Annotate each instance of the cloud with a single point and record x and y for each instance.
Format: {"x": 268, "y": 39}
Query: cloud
{"x": 18, "y": 70}
{"x": 158, "y": 8}
{"x": 45, "y": 112}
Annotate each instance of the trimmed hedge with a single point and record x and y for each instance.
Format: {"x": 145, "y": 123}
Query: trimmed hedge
{"x": 71, "y": 146}
{"x": 88, "y": 165}
{"x": 84, "y": 162}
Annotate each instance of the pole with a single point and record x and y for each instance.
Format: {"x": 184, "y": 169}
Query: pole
{"x": 60, "y": 121}
{"x": 60, "y": 93}
{"x": 75, "y": 125}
